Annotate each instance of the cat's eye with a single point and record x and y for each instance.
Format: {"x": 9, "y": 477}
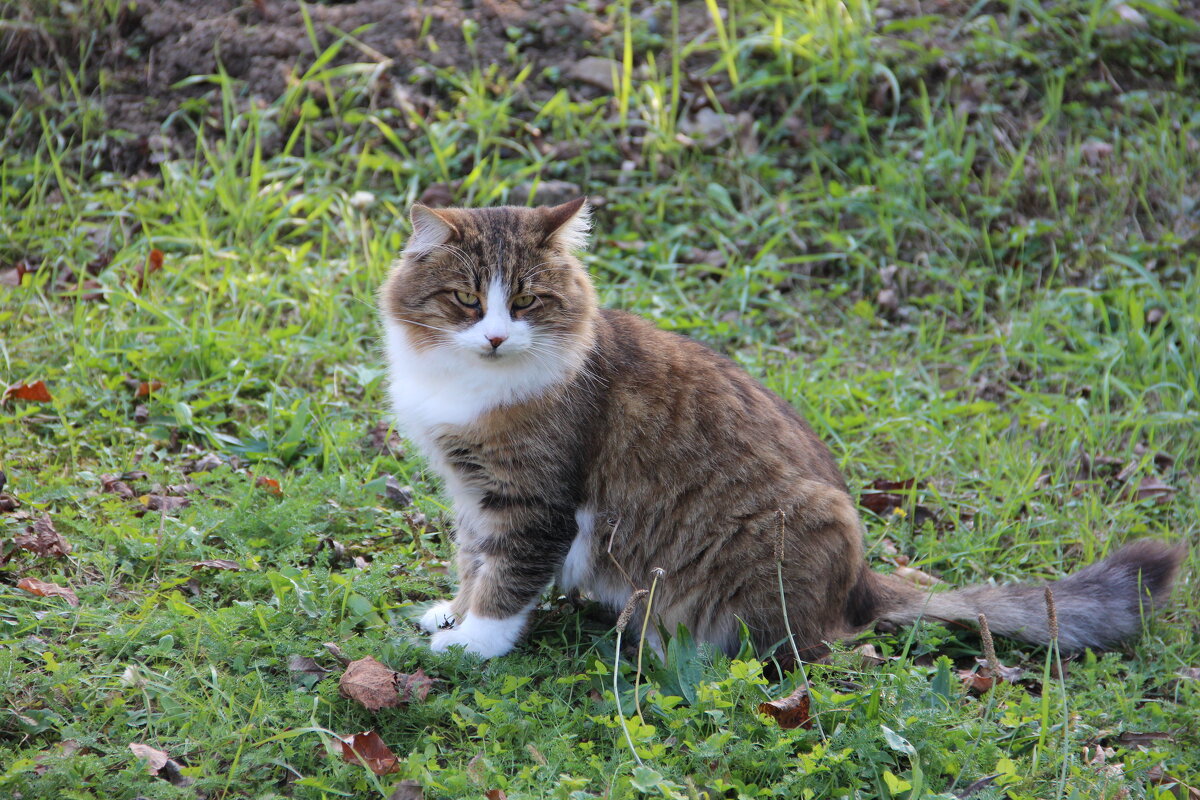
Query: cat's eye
{"x": 467, "y": 299}
{"x": 523, "y": 301}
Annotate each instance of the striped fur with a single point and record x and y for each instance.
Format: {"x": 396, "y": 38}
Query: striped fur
{"x": 591, "y": 448}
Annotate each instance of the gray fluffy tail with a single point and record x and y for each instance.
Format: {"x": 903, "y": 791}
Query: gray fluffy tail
{"x": 1099, "y": 607}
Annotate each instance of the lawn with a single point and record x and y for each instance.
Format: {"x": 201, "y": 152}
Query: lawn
{"x": 963, "y": 239}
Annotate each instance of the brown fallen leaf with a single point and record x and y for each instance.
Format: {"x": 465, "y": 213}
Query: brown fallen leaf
{"x": 1146, "y": 739}
{"x": 974, "y": 788}
{"x": 8, "y": 503}
{"x": 146, "y": 388}
{"x": 914, "y": 575}
{"x": 337, "y": 653}
{"x": 29, "y": 392}
{"x": 270, "y": 484}
{"x": 407, "y": 790}
{"x": 42, "y": 539}
{"x": 400, "y": 496}
{"x": 1151, "y": 487}
{"x": 218, "y": 563}
{"x": 303, "y": 665}
{"x": 155, "y": 759}
{"x": 206, "y": 463}
{"x": 112, "y": 484}
{"x": 791, "y": 711}
{"x": 141, "y": 414}
{"x": 43, "y": 589}
{"x": 376, "y": 686}
{"x": 985, "y": 677}
{"x": 159, "y": 502}
{"x": 161, "y": 765}
{"x": 154, "y": 263}
{"x": 495, "y": 794}
{"x": 383, "y": 439}
{"x": 368, "y": 749}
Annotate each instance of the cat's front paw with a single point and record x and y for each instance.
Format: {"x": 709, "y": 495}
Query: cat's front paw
{"x": 438, "y": 617}
{"x": 486, "y": 638}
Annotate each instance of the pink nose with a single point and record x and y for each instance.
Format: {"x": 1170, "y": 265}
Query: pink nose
{"x": 496, "y": 341}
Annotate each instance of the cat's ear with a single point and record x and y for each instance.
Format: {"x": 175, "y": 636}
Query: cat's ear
{"x": 568, "y": 223}
{"x": 431, "y": 229}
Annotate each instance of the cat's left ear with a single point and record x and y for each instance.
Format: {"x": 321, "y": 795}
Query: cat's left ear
{"x": 568, "y": 223}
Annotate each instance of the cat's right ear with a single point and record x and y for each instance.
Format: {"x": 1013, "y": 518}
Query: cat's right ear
{"x": 431, "y": 229}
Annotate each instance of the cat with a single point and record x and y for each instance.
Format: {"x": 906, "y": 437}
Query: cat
{"x": 585, "y": 447}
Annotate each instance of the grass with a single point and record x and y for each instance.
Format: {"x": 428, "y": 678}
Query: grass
{"x": 917, "y": 234}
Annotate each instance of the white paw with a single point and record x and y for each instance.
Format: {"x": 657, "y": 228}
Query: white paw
{"x": 481, "y": 636}
{"x": 437, "y": 617}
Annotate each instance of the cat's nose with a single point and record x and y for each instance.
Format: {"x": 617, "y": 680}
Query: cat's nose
{"x": 496, "y": 341}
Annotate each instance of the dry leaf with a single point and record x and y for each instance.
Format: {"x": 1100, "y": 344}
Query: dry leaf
{"x": 29, "y": 392}
{"x": 114, "y": 485}
{"x": 1148, "y": 738}
{"x": 153, "y": 264}
{"x": 791, "y": 711}
{"x": 218, "y": 563}
{"x": 914, "y": 575}
{"x": 977, "y": 786}
{"x": 337, "y": 653}
{"x": 42, "y": 539}
{"x": 376, "y": 686}
{"x": 1189, "y": 673}
{"x": 206, "y": 463}
{"x": 270, "y": 484}
{"x": 8, "y": 503}
{"x": 155, "y": 759}
{"x": 43, "y": 589}
{"x": 1152, "y": 487}
{"x": 407, "y": 790}
{"x": 144, "y": 388}
{"x": 368, "y": 749}
{"x": 495, "y": 794}
{"x": 306, "y": 666}
{"x": 159, "y": 502}
{"x": 983, "y": 679}
{"x": 141, "y": 414}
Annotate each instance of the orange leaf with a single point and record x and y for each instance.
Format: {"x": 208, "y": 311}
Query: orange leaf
{"x": 43, "y": 589}
{"x": 30, "y": 392}
{"x": 144, "y": 388}
{"x": 270, "y": 484}
{"x": 495, "y": 794}
{"x": 368, "y": 749}
{"x": 791, "y": 711}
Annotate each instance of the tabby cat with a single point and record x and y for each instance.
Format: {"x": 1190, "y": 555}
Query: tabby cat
{"x": 585, "y": 447}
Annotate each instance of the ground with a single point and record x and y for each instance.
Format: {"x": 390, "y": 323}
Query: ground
{"x": 961, "y": 238}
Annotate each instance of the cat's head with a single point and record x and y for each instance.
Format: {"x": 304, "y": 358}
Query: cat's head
{"x": 498, "y": 285}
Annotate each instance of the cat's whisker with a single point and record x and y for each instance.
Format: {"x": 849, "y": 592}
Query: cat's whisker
{"x": 423, "y": 325}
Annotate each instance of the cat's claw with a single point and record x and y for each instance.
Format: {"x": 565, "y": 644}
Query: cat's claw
{"x": 438, "y": 617}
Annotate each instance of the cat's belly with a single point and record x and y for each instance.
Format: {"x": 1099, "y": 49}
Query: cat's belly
{"x": 580, "y": 570}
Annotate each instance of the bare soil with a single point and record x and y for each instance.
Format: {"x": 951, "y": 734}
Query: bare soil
{"x": 140, "y": 57}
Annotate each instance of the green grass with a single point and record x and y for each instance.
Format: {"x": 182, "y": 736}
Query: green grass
{"x": 1045, "y": 309}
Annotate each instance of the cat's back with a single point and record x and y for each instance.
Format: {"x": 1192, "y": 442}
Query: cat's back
{"x": 670, "y": 399}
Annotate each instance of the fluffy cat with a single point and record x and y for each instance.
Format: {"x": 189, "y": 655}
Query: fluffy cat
{"x": 586, "y": 447}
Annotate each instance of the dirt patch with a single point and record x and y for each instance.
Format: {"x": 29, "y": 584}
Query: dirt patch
{"x": 143, "y": 53}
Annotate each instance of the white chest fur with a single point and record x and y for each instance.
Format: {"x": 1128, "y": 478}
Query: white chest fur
{"x": 449, "y": 386}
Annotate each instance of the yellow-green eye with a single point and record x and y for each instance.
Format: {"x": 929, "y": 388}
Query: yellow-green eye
{"x": 467, "y": 299}
{"x": 523, "y": 301}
